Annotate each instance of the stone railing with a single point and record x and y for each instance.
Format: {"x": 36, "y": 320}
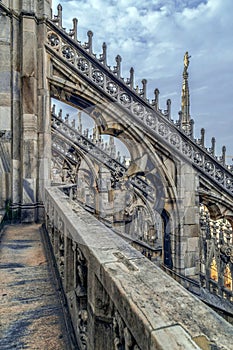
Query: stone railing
{"x": 117, "y": 298}
{"x": 158, "y": 124}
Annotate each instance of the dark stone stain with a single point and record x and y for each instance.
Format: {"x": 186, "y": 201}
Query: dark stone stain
{"x": 19, "y": 328}
{"x": 20, "y": 283}
{"x": 24, "y": 240}
{"x": 17, "y": 246}
{"x": 11, "y": 266}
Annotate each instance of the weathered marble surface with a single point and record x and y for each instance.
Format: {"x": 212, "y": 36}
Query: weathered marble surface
{"x": 155, "y": 308}
{"x": 31, "y": 312}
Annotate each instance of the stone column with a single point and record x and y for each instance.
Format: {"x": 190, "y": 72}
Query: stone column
{"x": 44, "y": 116}
{"x": 15, "y": 116}
{"x": 5, "y": 105}
{"x": 44, "y": 8}
{"x": 187, "y": 240}
{"x": 25, "y": 102}
{"x": 29, "y": 116}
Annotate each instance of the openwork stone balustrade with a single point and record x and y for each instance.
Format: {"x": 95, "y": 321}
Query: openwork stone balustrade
{"x": 117, "y": 298}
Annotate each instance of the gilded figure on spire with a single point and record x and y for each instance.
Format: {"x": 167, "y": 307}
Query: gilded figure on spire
{"x": 186, "y": 61}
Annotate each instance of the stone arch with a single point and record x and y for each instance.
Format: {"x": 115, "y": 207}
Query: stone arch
{"x": 217, "y": 253}
{"x": 221, "y": 225}
{"x": 82, "y": 155}
{"x": 139, "y": 212}
{"x": 219, "y": 207}
{"x": 228, "y": 278}
{"x": 86, "y": 123}
{"x": 213, "y": 270}
{"x": 147, "y": 158}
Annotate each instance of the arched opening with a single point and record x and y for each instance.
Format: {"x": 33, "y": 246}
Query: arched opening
{"x": 220, "y": 229}
{"x": 139, "y": 224}
{"x": 85, "y": 125}
{"x": 227, "y": 278}
{"x": 214, "y": 270}
{"x": 167, "y": 251}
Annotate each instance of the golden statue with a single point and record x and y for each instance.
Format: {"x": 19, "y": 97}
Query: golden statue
{"x": 186, "y": 61}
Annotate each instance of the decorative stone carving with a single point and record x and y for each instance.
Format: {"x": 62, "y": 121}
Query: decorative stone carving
{"x": 112, "y": 88}
{"x": 50, "y": 229}
{"x": 209, "y": 167}
{"x": 163, "y": 129}
{"x": 125, "y": 99}
{"x": 150, "y": 120}
{"x": 138, "y": 109}
{"x": 175, "y": 140}
{"x": 216, "y": 246}
{"x": 68, "y": 52}
{"x": 81, "y": 270}
{"x": 140, "y": 223}
{"x": 83, "y": 65}
{"x": 82, "y": 328}
{"x": 98, "y": 77}
{"x": 61, "y": 253}
{"x": 123, "y": 339}
{"x": 103, "y": 302}
{"x": 53, "y": 39}
{"x": 81, "y": 295}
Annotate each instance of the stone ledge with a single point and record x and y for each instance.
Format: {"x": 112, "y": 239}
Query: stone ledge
{"x": 147, "y": 299}
{"x": 173, "y": 337}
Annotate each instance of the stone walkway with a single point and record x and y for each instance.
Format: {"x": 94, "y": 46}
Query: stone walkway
{"x": 31, "y": 314}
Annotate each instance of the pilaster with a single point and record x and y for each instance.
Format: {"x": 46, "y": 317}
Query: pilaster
{"x": 29, "y": 142}
{"x": 25, "y": 103}
{"x": 44, "y": 108}
{"x": 5, "y": 107}
{"x": 187, "y": 240}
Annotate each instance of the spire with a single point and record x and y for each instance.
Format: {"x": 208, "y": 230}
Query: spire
{"x": 59, "y": 15}
{"x": 80, "y": 127}
{"x": 186, "y": 122}
{"x": 156, "y": 100}
{"x": 74, "y": 31}
{"x": 103, "y": 56}
{"x": 111, "y": 140}
{"x": 96, "y": 134}
{"x": 112, "y": 147}
{"x": 117, "y": 68}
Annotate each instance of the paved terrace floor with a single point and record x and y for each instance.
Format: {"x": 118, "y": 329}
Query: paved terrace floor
{"x": 31, "y": 313}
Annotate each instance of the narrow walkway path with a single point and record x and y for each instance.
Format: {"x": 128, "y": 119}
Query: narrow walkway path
{"x": 31, "y": 314}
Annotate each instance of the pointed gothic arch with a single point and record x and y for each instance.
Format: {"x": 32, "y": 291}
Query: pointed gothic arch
{"x": 214, "y": 274}
{"x": 227, "y": 276}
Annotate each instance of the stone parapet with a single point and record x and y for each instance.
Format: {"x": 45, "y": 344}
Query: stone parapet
{"x": 116, "y": 296}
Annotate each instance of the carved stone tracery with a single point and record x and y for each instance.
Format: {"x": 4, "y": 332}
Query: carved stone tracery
{"x": 216, "y": 253}
{"x": 81, "y": 296}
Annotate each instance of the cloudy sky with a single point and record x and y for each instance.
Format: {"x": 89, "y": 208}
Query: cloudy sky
{"x": 153, "y": 35}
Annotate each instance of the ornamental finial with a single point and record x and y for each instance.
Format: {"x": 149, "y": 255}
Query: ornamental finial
{"x": 186, "y": 123}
